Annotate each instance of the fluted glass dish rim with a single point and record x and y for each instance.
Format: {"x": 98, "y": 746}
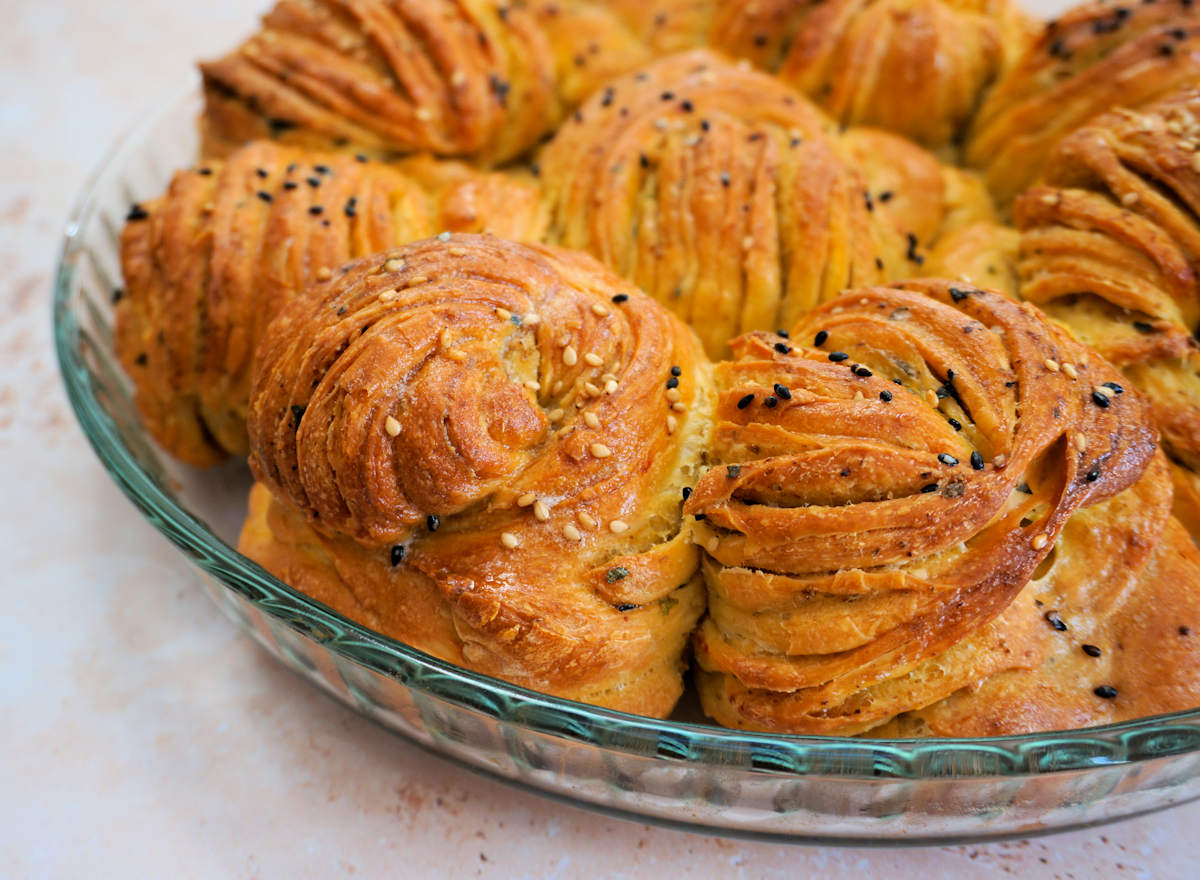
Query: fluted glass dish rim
{"x": 841, "y": 758}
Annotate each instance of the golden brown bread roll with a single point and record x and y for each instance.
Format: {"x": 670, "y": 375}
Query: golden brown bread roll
{"x": 1109, "y": 246}
{"x": 917, "y": 67}
{"x": 1094, "y": 57}
{"x": 477, "y": 78}
{"x": 479, "y": 448}
{"x": 719, "y": 191}
{"x": 879, "y": 502}
{"x": 208, "y": 264}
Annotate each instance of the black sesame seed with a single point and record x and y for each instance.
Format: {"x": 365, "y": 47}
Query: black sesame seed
{"x": 141, "y": 360}
{"x": 290, "y": 184}
{"x": 976, "y": 460}
{"x": 204, "y": 172}
{"x": 352, "y": 206}
{"x": 626, "y": 606}
{"x": 783, "y": 333}
{"x": 1100, "y": 400}
{"x": 136, "y": 212}
{"x": 686, "y": 492}
{"x": 947, "y": 459}
{"x": 733, "y": 471}
{"x": 1055, "y": 621}
{"x": 783, "y": 349}
{"x": 673, "y": 382}
{"x": 315, "y": 210}
{"x": 1143, "y": 327}
{"x": 686, "y": 106}
{"x": 782, "y": 391}
{"x": 745, "y": 401}
{"x": 705, "y": 125}
{"x": 1024, "y": 489}
{"x": 1093, "y": 475}
{"x": 397, "y": 554}
{"x": 620, "y": 298}
{"x": 313, "y": 181}
{"x": 885, "y": 196}
{"x": 820, "y": 338}
{"x": 261, "y": 172}
{"x": 958, "y": 294}
{"x": 322, "y": 169}
{"x": 770, "y": 401}
{"x": 862, "y": 372}
{"x": 725, "y": 178}
{"x": 1114, "y": 387}
{"x": 1166, "y": 50}
{"x": 955, "y": 424}
{"x": 433, "y": 522}
{"x": 297, "y": 415}
{"x": 879, "y": 263}
{"x": 618, "y": 573}
{"x": 1185, "y": 630}
{"x": 929, "y": 487}
{"x": 676, "y": 370}
{"x": 1106, "y": 692}
{"x": 644, "y": 160}
{"x": 885, "y": 396}
{"x": 265, "y": 196}
{"x": 607, "y": 100}
{"x": 838, "y": 356}
{"x": 1091, "y": 650}
{"x": 360, "y": 157}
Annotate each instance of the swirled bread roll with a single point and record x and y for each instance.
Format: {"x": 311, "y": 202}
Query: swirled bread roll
{"x": 473, "y": 78}
{"x": 1093, "y": 58}
{"x": 207, "y": 265}
{"x": 720, "y": 192}
{"x": 917, "y": 67}
{"x": 1109, "y": 246}
{"x": 479, "y": 448}
{"x": 881, "y": 498}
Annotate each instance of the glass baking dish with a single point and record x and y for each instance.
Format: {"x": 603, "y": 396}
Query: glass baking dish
{"x": 678, "y": 772}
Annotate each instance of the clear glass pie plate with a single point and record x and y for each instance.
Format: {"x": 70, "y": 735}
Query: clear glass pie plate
{"x": 679, "y": 771}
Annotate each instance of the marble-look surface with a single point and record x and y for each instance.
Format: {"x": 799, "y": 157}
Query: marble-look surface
{"x": 140, "y": 734}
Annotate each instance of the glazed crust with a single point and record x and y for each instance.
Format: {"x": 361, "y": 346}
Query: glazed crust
{"x": 207, "y": 265}
{"x": 719, "y": 191}
{"x": 1092, "y": 58}
{"x": 1109, "y": 246}
{"x": 870, "y": 529}
{"x": 474, "y": 449}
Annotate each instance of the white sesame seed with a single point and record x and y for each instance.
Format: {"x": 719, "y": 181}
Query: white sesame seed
{"x": 1081, "y": 442}
{"x": 1130, "y": 198}
{"x": 555, "y": 415}
{"x": 1102, "y": 391}
{"x": 444, "y": 337}
{"x": 443, "y": 236}
{"x": 931, "y": 397}
{"x": 503, "y": 314}
{"x": 679, "y": 406}
{"x": 608, "y": 377}
{"x": 591, "y": 420}
{"x": 617, "y": 526}
{"x": 586, "y": 519}
{"x": 533, "y": 386}
{"x": 458, "y": 252}
{"x": 672, "y": 424}
{"x": 712, "y": 544}
{"x": 391, "y": 426}
{"x": 673, "y": 395}
{"x": 593, "y": 359}
{"x": 858, "y": 395}
{"x": 532, "y": 319}
{"x": 324, "y": 273}
{"x": 389, "y": 295}
{"x": 509, "y": 540}
{"x": 540, "y": 511}
{"x": 417, "y": 279}
{"x": 600, "y": 450}
{"x": 556, "y": 387}
{"x": 747, "y": 242}
{"x": 610, "y": 386}
{"x": 570, "y": 358}
{"x": 1051, "y": 364}
{"x": 424, "y": 114}
{"x": 1040, "y": 541}
{"x": 600, "y": 311}
{"x": 1070, "y": 370}
{"x": 1051, "y": 198}
{"x": 592, "y": 390}
{"x": 455, "y": 355}
{"x": 527, "y": 499}
{"x": 394, "y": 265}
{"x": 571, "y": 533}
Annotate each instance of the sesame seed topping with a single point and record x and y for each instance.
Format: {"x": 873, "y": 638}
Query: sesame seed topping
{"x": 929, "y": 487}
{"x": 393, "y": 265}
{"x": 782, "y": 348}
{"x": 672, "y": 424}
{"x": 540, "y": 511}
{"x": 673, "y": 382}
{"x": 591, "y": 389}
{"x": 1070, "y": 371}
{"x": 610, "y": 386}
{"x": 600, "y": 310}
{"x": 617, "y": 526}
{"x": 1093, "y": 475}
{"x": 570, "y": 358}
{"x": 1055, "y": 621}
{"x": 571, "y": 533}
{"x": 1091, "y": 650}
{"x": 686, "y": 492}
{"x": 532, "y": 319}
{"x": 745, "y": 401}
{"x": 820, "y": 338}
{"x": 673, "y": 395}
{"x": 533, "y": 386}
{"x": 733, "y": 471}
{"x": 1106, "y": 692}
{"x": 676, "y": 371}
{"x": 509, "y": 540}
{"x": 591, "y": 419}
{"x": 620, "y": 298}
{"x": 947, "y": 459}
{"x": 678, "y": 406}
{"x": 885, "y": 396}
{"x": 527, "y": 499}
{"x": 1051, "y": 364}
{"x": 861, "y": 372}
{"x": 397, "y": 554}
{"x": 503, "y": 314}
{"x": 556, "y": 414}
{"x": 838, "y": 356}
{"x": 1081, "y": 442}
{"x": 1100, "y": 397}
{"x": 1113, "y": 387}
{"x": 770, "y": 401}
{"x": 433, "y": 522}
{"x": 1130, "y": 198}
{"x": 931, "y": 397}
{"x": 443, "y": 236}
{"x": 599, "y": 450}
{"x": 456, "y": 356}
{"x": 391, "y": 426}
{"x": 976, "y": 460}
{"x": 586, "y": 519}
{"x": 593, "y": 359}
{"x": 782, "y": 391}
{"x": 1039, "y": 541}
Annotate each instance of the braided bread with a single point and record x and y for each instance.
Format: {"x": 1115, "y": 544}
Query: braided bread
{"x": 719, "y": 191}
{"x": 1109, "y": 246}
{"x": 207, "y": 265}
{"x": 478, "y": 448}
{"x": 1093, "y": 58}
{"x": 879, "y": 503}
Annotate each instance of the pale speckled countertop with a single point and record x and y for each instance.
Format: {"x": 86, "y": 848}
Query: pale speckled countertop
{"x": 140, "y": 734}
